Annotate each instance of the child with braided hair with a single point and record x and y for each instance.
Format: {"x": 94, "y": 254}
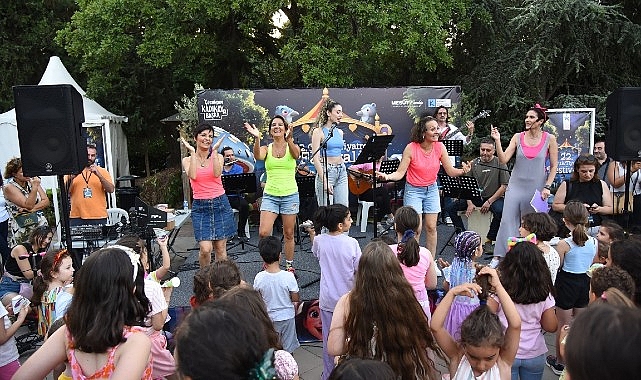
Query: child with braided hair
{"x": 468, "y": 248}
{"x": 416, "y": 262}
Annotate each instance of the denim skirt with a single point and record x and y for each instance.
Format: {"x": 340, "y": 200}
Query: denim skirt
{"x": 213, "y": 219}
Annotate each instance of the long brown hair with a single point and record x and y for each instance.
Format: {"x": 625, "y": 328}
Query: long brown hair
{"x": 385, "y": 321}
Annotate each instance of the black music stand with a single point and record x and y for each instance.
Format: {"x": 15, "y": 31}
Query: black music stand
{"x": 236, "y": 184}
{"x": 453, "y": 147}
{"x": 373, "y": 150}
{"x": 306, "y": 189}
{"x": 463, "y": 187}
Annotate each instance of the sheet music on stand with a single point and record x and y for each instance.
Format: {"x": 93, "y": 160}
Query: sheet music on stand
{"x": 462, "y": 187}
{"x": 306, "y": 186}
{"x": 389, "y": 166}
{"x": 453, "y": 147}
{"x": 374, "y": 148}
{"x": 234, "y": 184}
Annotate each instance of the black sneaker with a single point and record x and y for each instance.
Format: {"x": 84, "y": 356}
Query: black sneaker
{"x": 557, "y": 368}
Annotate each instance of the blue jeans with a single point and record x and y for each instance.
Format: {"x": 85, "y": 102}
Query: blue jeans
{"x": 337, "y": 177}
{"x": 461, "y": 205}
{"x": 528, "y": 369}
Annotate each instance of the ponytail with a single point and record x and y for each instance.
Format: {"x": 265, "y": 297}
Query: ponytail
{"x": 580, "y": 234}
{"x": 577, "y": 215}
{"x": 408, "y": 250}
{"x": 330, "y": 217}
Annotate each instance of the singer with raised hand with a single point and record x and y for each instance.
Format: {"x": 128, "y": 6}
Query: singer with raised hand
{"x": 211, "y": 214}
{"x": 530, "y": 148}
{"x": 331, "y": 174}
{"x": 422, "y": 159}
{"x": 280, "y": 196}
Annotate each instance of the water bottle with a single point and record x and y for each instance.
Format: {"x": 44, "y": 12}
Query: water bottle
{"x": 185, "y": 205}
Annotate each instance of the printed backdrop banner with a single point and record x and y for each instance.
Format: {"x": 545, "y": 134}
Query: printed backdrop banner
{"x": 366, "y": 111}
{"x": 574, "y": 131}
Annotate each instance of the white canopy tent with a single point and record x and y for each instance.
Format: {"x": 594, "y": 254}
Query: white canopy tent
{"x": 113, "y": 137}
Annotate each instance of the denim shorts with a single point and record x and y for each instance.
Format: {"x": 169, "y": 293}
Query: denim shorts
{"x": 424, "y": 199}
{"x": 8, "y": 285}
{"x": 213, "y": 219}
{"x": 285, "y": 205}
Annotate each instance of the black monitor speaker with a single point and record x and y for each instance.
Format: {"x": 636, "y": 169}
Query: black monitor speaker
{"x": 50, "y": 121}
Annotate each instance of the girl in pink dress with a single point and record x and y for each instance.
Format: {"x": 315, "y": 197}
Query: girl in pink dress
{"x": 416, "y": 261}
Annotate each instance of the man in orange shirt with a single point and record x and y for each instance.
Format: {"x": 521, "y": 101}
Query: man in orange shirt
{"x": 87, "y": 192}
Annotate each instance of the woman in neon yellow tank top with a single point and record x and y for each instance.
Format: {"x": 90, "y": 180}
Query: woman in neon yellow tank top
{"x": 280, "y": 196}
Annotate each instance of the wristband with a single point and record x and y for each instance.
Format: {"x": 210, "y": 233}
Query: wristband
{"x": 547, "y": 187}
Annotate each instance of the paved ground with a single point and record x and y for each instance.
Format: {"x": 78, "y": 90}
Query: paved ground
{"x": 309, "y": 355}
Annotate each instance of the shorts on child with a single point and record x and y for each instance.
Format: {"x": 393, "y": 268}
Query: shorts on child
{"x": 572, "y": 290}
{"x": 424, "y": 199}
{"x": 287, "y": 331}
{"x": 285, "y": 205}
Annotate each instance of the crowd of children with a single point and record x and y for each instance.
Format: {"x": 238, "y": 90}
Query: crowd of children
{"x": 374, "y": 307}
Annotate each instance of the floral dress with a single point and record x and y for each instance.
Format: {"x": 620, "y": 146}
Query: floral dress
{"x": 21, "y": 234}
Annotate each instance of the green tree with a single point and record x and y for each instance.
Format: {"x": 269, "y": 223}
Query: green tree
{"x": 27, "y": 30}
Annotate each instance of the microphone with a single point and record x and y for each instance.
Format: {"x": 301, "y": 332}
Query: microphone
{"x": 331, "y": 129}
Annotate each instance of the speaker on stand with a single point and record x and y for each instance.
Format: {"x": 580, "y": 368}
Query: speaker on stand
{"x": 623, "y": 143}
{"x": 49, "y": 120}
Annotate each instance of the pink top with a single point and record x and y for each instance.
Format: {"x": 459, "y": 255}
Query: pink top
{"x": 531, "y": 151}
{"x": 416, "y": 275}
{"x": 206, "y": 186}
{"x": 532, "y": 343}
{"x": 423, "y": 166}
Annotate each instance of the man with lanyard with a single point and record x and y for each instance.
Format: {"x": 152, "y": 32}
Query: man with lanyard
{"x": 87, "y": 192}
{"x": 448, "y": 131}
{"x": 236, "y": 201}
{"x": 604, "y": 160}
{"x": 492, "y": 177}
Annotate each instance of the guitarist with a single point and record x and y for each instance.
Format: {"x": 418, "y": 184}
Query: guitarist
{"x": 379, "y": 195}
{"x": 448, "y": 131}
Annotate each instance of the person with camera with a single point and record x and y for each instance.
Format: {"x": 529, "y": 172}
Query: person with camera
{"x": 237, "y": 201}
{"x": 584, "y": 186}
{"x": 25, "y": 199}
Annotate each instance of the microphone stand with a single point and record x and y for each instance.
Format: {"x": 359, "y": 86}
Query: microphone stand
{"x": 480, "y": 163}
{"x": 323, "y": 147}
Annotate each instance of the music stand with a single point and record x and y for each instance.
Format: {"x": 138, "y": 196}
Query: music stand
{"x": 453, "y": 147}
{"x": 463, "y": 187}
{"x": 373, "y": 150}
{"x": 236, "y": 184}
{"x": 306, "y": 189}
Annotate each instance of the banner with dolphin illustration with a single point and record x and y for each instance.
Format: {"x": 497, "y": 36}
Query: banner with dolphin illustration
{"x": 366, "y": 111}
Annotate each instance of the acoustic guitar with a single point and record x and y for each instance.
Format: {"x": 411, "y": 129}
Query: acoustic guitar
{"x": 359, "y": 182}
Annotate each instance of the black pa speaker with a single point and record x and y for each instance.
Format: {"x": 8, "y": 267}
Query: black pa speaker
{"x": 623, "y": 110}
{"x": 50, "y": 120}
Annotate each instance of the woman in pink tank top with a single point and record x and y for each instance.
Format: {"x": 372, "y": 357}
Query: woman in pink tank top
{"x": 211, "y": 213}
{"x": 422, "y": 159}
{"x": 530, "y": 148}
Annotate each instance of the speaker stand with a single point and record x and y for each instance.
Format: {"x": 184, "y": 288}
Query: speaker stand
{"x": 64, "y": 216}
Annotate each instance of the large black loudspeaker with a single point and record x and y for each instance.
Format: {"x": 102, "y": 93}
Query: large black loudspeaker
{"x": 49, "y": 129}
{"x": 623, "y": 110}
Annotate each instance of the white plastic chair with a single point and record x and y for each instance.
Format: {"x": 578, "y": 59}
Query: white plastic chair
{"x": 115, "y": 215}
{"x": 363, "y": 213}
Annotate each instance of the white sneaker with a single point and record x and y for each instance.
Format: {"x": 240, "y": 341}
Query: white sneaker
{"x": 448, "y": 221}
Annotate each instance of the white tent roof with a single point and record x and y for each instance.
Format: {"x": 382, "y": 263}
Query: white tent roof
{"x": 95, "y": 114}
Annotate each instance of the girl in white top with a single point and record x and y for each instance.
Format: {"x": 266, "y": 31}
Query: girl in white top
{"x": 487, "y": 352}
{"x": 544, "y": 227}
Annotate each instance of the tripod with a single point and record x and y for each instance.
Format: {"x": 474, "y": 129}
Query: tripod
{"x": 235, "y": 185}
{"x": 458, "y": 187}
{"x": 373, "y": 150}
